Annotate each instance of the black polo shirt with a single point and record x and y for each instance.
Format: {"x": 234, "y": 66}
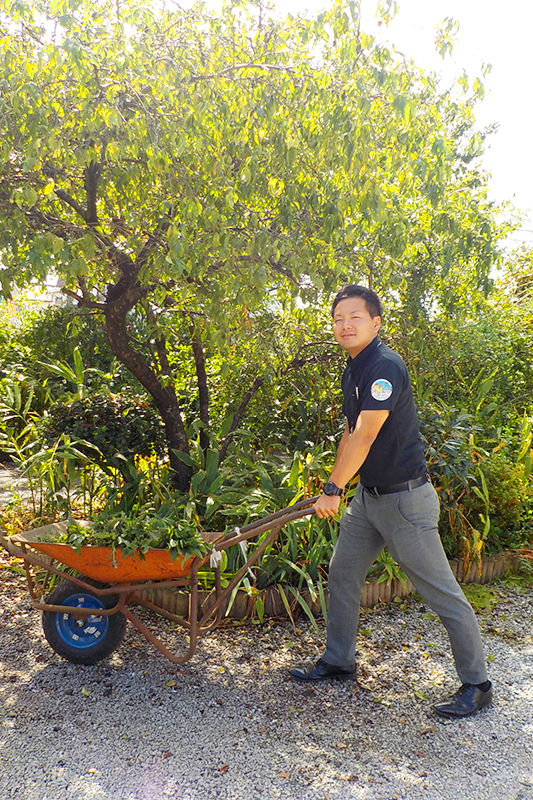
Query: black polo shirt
{"x": 377, "y": 379}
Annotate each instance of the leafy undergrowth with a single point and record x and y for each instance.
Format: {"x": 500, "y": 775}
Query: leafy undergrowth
{"x": 481, "y": 597}
{"x": 17, "y": 517}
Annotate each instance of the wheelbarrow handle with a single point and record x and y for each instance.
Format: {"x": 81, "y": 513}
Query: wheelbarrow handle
{"x": 301, "y": 509}
{"x": 306, "y": 503}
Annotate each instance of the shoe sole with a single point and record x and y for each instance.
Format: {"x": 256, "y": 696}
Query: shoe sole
{"x": 325, "y": 678}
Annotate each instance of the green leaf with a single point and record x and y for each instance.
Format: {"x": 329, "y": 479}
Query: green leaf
{"x": 286, "y": 604}
{"x": 29, "y": 196}
{"x": 301, "y": 600}
{"x": 185, "y": 457}
{"x": 260, "y": 608}
{"x": 78, "y": 366}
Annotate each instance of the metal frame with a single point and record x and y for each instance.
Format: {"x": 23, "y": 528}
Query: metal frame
{"x": 198, "y": 621}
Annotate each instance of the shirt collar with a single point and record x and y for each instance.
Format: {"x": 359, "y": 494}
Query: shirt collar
{"x": 361, "y": 360}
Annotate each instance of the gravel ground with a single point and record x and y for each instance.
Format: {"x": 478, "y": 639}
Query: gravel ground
{"x": 231, "y": 725}
{"x": 12, "y": 485}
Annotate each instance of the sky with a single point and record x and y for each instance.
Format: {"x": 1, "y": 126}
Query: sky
{"x": 497, "y": 33}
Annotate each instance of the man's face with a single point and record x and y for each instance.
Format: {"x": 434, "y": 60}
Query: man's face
{"x": 353, "y": 326}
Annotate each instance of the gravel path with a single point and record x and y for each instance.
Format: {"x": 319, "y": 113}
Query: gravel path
{"x": 230, "y": 725}
{"x": 11, "y": 484}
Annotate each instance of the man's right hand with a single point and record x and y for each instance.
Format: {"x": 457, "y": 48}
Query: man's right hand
{"x": 327, "y": 506}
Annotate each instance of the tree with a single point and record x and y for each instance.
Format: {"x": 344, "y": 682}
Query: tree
{"x": 195, "y": 177}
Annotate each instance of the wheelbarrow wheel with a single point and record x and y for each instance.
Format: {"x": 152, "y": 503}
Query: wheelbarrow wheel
{"x": 85, "y": 640}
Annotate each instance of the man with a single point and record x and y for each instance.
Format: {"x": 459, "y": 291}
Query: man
{"x": 395, "y": 505}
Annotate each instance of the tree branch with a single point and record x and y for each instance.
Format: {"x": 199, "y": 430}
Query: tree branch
{"x": 31, "y": 33}
{"x": 254, "y": 388}
{"x": 371, "y": 265}
{"x": 162, "y": 355}
{"x": 201, "y": 378}
{"x": 92, "y": 173}
{"x": 283, "y": 270}
{"x": 121, "y": 260}
{"x": 82, "y": 301}
{"x": 130, "y": 296}
{"x": 69, "y": 200}
{"x": 256, "y": 385}
{"x": 319, "y": 358}
{"x": 236, "y": 67}
{"x": 151, "y": 243}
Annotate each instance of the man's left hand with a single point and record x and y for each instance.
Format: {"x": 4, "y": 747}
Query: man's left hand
{"x": 327, "y": 506}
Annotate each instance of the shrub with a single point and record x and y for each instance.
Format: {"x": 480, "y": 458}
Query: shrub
{"x": 475, "y": 485}
{"x": 511, "y": 503}
{"x": 121, "y": 428}
{"x": 453, "y": 463}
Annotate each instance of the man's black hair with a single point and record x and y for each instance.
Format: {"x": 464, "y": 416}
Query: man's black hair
{"x": 372, "y": 301}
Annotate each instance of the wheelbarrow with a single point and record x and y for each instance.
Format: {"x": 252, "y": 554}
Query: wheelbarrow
{"x": 84, "y": 616}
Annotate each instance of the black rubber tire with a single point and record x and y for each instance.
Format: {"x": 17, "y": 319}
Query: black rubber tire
{"x": 88, "y": 643}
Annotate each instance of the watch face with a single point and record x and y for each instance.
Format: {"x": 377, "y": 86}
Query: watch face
{"x": 331, "y": 489}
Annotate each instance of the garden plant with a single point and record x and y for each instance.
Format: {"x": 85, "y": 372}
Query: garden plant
{"x": 201, "y": 182}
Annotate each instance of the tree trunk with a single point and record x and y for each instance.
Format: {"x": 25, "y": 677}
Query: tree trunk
{"x": 164, "y": 397}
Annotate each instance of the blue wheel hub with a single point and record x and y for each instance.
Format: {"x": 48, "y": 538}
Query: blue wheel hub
{"x": 82, "y": 632}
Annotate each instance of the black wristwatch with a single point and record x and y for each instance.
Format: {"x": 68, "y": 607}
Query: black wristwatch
{"x": 332, "y": 490}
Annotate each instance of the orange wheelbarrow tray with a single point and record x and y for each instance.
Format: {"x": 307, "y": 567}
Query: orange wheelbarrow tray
{"x": 84, "y": 617}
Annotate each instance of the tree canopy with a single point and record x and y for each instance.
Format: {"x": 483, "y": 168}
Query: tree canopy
{"x": 202, "y": 181}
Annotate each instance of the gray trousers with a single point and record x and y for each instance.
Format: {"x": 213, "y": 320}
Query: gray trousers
{"x": 407, "y": 523}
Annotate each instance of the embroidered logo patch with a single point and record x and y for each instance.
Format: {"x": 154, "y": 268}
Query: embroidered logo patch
{"x": 381, "y": 389}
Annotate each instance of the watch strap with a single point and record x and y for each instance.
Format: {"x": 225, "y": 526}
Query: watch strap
{"x": 332, "y": 490}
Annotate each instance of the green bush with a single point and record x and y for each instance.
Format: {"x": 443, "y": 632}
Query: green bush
{"x": 453, "y": 463}
{"x": 50, "y": 335}
{"x": 121, "y": 428}
{"x": 486, "y": 498}
{"x": 511, "y": 503}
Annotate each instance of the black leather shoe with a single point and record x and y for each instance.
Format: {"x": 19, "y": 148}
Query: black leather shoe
{"x": 322, "y": 671}
{"x": 467, "y": 700}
